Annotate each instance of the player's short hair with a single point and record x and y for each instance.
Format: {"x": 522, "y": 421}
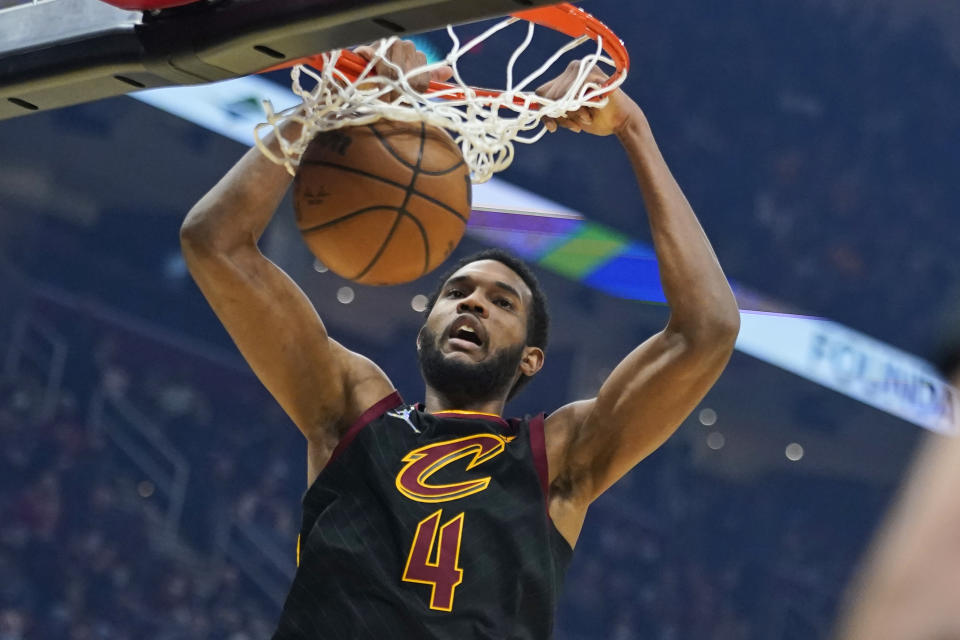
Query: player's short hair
{"x": 538, "y": 318}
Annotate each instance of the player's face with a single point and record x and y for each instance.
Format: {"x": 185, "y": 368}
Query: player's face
{"x": 482, "y": 309}
{"x": 474, "y": 340}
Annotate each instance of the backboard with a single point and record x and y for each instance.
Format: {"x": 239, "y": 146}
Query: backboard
{"x": 55, "y": 53}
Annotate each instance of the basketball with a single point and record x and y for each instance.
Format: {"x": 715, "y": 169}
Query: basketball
{"x": 383, "y": 203}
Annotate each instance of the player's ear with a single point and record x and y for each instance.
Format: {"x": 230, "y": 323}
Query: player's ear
{"x": 420, "y": 338}
{"x": 532, "y": 360}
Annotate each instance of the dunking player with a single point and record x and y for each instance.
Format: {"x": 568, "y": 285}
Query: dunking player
{"x": 444, "y": 520}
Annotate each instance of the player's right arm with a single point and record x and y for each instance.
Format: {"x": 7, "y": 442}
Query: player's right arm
{"x": 320, "y": 384}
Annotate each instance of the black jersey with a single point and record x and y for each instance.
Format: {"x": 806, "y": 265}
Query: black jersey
{"x": 428, "y": 526}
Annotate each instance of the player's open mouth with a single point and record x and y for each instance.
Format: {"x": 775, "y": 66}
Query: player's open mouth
{"x": 466, "y": 332}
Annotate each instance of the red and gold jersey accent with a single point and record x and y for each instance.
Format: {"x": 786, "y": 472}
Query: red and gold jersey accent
{"x": 413, "y": 479}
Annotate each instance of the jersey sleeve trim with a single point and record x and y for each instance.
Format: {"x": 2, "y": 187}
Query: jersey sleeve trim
{"x": 539, "y": 450}
{"x": 392, "y": 401}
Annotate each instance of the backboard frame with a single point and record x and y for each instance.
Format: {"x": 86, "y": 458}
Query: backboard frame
{"x": 206, "y": 41}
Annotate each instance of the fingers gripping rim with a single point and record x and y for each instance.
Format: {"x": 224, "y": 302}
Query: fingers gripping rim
{"x": 564, "y": 18}
{"x": 350, "y": 91}
{"x": 575, "y": 22}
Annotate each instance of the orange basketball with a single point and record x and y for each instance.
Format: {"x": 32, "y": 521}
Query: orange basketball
{"x": 383, "y": 203}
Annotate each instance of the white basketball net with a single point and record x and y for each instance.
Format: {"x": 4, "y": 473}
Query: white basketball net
{"x": 484, "y": 127}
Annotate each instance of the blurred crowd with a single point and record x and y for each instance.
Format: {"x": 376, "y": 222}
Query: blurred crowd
{"x": 83, "y": 551}
{"x": 672, "y": 553}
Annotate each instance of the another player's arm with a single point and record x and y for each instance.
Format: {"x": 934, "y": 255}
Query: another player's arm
{"x": 594, "y": 442}
{"x": 321, "y": 385}
{"x": 908, "y": 586}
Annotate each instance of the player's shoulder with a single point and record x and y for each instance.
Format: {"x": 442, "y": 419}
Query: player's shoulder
{"x": 562, "y": 422}
{"x": 364, "y": 382}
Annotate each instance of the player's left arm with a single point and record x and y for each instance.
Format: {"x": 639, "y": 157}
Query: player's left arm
{"x": 592, "y": 443}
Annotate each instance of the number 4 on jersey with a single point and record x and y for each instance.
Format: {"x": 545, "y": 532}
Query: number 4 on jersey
{"x": 443, "y": 573}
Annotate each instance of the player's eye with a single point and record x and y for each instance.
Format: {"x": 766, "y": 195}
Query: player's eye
{"x": 454, "y": 293}
{"x": 504, "y": 303}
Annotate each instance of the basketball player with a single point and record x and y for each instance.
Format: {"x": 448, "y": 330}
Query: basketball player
{"x": 910, "y": 587}
{"x": 444, "y": 519}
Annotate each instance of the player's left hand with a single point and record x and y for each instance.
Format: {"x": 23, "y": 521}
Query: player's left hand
{"x": 612, "y": 118}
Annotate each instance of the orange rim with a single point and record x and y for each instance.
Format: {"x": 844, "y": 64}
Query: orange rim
{"x": 565, "y": 18}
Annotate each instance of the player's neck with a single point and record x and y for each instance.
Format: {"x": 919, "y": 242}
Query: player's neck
{"x": 434, "y": 402}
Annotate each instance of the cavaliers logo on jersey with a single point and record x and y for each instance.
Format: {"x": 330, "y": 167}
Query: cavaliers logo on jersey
{"x": 434, "y": 557}
{"x": 413, "y": 480}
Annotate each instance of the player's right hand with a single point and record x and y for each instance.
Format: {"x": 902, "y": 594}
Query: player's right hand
{"x": 405, "y": 55}
{"x": 611, "y": 118}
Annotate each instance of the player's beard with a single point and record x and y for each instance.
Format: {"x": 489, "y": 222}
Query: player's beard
{"x": 464, "y": 383}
